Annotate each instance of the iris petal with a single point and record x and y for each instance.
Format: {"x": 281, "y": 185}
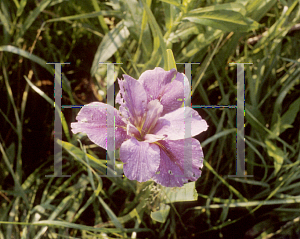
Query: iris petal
{"x": 154, "y": 80}
{"x": 173, "y": 124}
{"x": 171, "y": 95}
{"x": 173, "y": 156}
{"x": 140, "y": 159}
{"x": 158, "y": 84}
{"x": 92, "y": 120}
{"x": 154, "y": 110}
{"x": 134, "y": 101}
{"x": 184, "y": 80}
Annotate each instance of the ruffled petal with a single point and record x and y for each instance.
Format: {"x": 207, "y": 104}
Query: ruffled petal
{"x": 92, "y": 120}
{"x": 141, "y": 159}
{"x": 173, "y": 156}
{"x": 134, "y": 103}
{"x": 154, "y": 80}
{"x": 172, "y": 125}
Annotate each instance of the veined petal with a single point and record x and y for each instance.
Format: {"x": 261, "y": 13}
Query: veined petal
{"x": 135, "y": 99}
{"x": 154, "y": 80}
{"x": 172, "y": 96}
{"x": 141, "y": 159}
{"x": 92, "y": 120}
{"x": 154, "y": 110}
{"x": 173, "y": 124}
{"x": 173, "y": 156}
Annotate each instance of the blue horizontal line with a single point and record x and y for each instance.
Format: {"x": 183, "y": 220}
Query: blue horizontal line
{"x": 214, "y": 106}
{"x": 72, "y": 106}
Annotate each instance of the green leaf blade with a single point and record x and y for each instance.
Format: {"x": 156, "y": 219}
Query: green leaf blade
{"x": 228, "y": 21}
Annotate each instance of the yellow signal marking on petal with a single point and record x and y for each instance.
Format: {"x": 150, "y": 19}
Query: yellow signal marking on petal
{"x": 140, "y": 127}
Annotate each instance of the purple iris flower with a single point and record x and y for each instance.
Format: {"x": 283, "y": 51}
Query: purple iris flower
{"x": 149, "y": 128}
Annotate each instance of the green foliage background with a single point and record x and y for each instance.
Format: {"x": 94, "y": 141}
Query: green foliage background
{"x": 138, "y": 34}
